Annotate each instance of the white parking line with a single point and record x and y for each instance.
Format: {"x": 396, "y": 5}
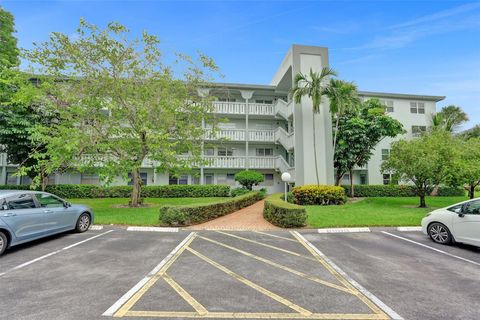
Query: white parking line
{"x": 431, "y": 248}
{"x": 409, "y": 228}
{"x": 96, "y": 227}
{"x": 392, "y": 314}
{"x": 342, "y": 230}
{"x": 120, "y": 302}
{"x": 152, "y": 229}
{"x": 52, "y": 253}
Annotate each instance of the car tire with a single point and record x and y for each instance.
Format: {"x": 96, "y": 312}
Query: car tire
{"x": 3, "y": 242}
{"x": 439, "y": 233}
{"x": 83, "y": 222}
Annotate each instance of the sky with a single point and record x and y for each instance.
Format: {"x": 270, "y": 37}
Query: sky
{"x": 417, "y": 47}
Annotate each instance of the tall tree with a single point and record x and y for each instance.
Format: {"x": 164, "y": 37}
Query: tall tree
{"x": 466, "y": 167}
{"x": 120, "y": 105}
{"x": 358, "y": 135}
{"x": 471, "y": 133}
{"x": 449, "y": 118}
{"x": 343, "y": 98}
{"x": 425, "y": 161}
{"x": 9, "y": 53}
{"x": 314, "y": 86}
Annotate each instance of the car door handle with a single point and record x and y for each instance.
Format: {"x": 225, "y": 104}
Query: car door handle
{"x": 9, "y": 214}
{"x": 47, "y": 211}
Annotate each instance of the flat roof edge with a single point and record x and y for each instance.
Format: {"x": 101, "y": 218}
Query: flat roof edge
{"x": 401, "y": 95}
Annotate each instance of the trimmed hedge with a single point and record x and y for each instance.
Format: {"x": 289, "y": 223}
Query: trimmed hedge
{"x": 167, "y": 191}
{"x": 284, "y": 214}
{"x": 195, "y": 214}
{"x": 318, "y": 195}
{"x": 396, "y": 190}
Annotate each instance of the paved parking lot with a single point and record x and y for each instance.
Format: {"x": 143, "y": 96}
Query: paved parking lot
{"x": 385, "y": 274}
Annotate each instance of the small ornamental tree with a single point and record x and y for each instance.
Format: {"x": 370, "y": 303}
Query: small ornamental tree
{"x": 466, "y": 168}
{"x": 249, "y": 178}
{"x": 426, "y": 161}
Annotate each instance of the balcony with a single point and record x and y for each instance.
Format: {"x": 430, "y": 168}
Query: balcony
{"x": 261, "y": 135}
{"x": 241, "y": 108}
{"x": 240, "y": 135}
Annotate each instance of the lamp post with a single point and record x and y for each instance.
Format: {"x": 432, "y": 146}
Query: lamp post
{"x": 286, "y": 178}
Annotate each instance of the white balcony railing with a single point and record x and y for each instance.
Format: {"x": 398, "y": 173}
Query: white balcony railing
{"x": 229, "y": 134}
{"x": 284, "y": 138}
{"x": 241, "y": 108}
{"x": 261, "y": 135}
{"x": 225, "y": 162}
{"x": 284, "y": 109}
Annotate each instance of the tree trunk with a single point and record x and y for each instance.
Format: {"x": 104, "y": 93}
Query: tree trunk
{"x": 352, "y": 192}
{"x": 471, "y": 191}
{"x": 335, "y": 138}
{"x": 43, "y": 179}
{"x": 315, "y": 149}
{"x": 422, "y": 200}
{"x": 338, "y": 178}
{"x": 137, "y": 188}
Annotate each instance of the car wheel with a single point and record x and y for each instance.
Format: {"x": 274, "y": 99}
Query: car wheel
{"x": 83, "y": 223}
{"x": 3, "y": 242}
{"x": 439, "y": 233}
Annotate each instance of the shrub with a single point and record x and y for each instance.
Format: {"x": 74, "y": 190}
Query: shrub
{"x": 194, "y": 214}
{"x": 238, "y": 192}
{"x": 284, "y": 214}
{"x": 395, "y": 190}
{"x": 249, "y": 178}
{"x": 318, "y": 195}
{"x": 168, "y": 191}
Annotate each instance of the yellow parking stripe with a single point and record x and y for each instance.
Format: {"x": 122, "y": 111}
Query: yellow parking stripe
{"x": 243, "y": 315}
{"x": 274, "y": 235}
{"x": 252, "y": 285}
{"x": 347, "y": 284}
{"x": 266, "y": 245}
{"x": 185, "y": 295}
{"x": 298, "y": 273}
{"x": 129, "y": 304}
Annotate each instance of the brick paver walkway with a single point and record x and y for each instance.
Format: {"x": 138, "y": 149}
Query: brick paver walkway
{"x": 249, "y": 218}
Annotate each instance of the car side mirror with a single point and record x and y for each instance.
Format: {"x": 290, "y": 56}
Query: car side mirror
{"x": 67, "y": 204}
{"x": 4, "y": 206}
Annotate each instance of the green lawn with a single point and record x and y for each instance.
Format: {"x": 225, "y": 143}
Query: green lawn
{"x": 106, "y": 212}
{"x": 376, "y": 212}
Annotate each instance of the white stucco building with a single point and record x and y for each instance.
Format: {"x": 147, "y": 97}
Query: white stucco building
{"x": 267, "y": 132}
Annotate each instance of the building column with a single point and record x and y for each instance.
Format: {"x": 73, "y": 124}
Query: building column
{"x": 3, "y": 175}
{"x": 247, "y": 95}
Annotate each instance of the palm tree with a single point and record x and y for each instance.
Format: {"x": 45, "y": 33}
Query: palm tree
{"x": 343, "y": 98}
{"x": 315, "y": 86}
{"x": 450, "y": 118}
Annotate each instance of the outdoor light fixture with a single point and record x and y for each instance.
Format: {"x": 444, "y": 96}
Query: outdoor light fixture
{"x": 286, "y": 177}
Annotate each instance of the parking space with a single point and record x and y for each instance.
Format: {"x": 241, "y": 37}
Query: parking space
{"x": 112, "y": 272}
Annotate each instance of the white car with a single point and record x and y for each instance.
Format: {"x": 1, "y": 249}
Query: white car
{"x": 457, "y": 223}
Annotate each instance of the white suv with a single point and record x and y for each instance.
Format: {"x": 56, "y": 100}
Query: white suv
{"x": 457, "y": 223}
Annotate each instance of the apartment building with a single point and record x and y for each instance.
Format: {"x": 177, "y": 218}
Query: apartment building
{"x": 267, "y": 132}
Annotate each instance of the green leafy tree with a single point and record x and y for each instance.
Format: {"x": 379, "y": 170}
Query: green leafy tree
{"x": 120, "y": 106}
{"x": 343, "y": 98}
{"x": 314, "y": 86}
{"x": 450, "y": 118}
{"x": 9, "y": 53}
{"x": 471, "y": 133}
{"x": 249, "y": 178}
{"x": 425, "y": 161}
{"x": 466, "y": 168}
{"x": 358, "y": 135}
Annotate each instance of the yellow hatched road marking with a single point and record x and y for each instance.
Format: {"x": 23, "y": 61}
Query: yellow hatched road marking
{"x": 185, "y": 295}
{"x": 266, "y": 245}
{"x": 275, "y": 236}
{"x": 129, "y": 304}
{"x": 242, "y": 315}
{"x": 249, "y": 283}
{"x": 347, "y": 284}
{"x": 298, "y": 273}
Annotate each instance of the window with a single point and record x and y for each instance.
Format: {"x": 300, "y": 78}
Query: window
{"x": 231, "y": 179}
{"x": 346, "y": 178}
{"x": 11, "y": 178}
{"x": 48, "y": 201}
{"x": 388, "y": 105}
{"x": 22, "y": 201}
{"x": 363, "y": 178}
{"x": 264, "y": 152}
{"x": 472, "y": 207}
{"x": 143, "y": 177}
{"x": 208, "y": 178}
{"x": 418, "y": 130}
{"x": 417, "y": 107}
{"x": 25, "y": 180}
{"x": 209, "y": 152}
{"x": 226, "y": 99}
{"x": 89, "y": 179}
{"x": 224, "y": 151}
{"x": 387, "y": 178}
{"x": 195, "y": 180}
{"x": 263, "y": 101}
{"x": 385, "y": 154}
{"x": 182, "y": 179}
{"x": 268, "y": 179}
